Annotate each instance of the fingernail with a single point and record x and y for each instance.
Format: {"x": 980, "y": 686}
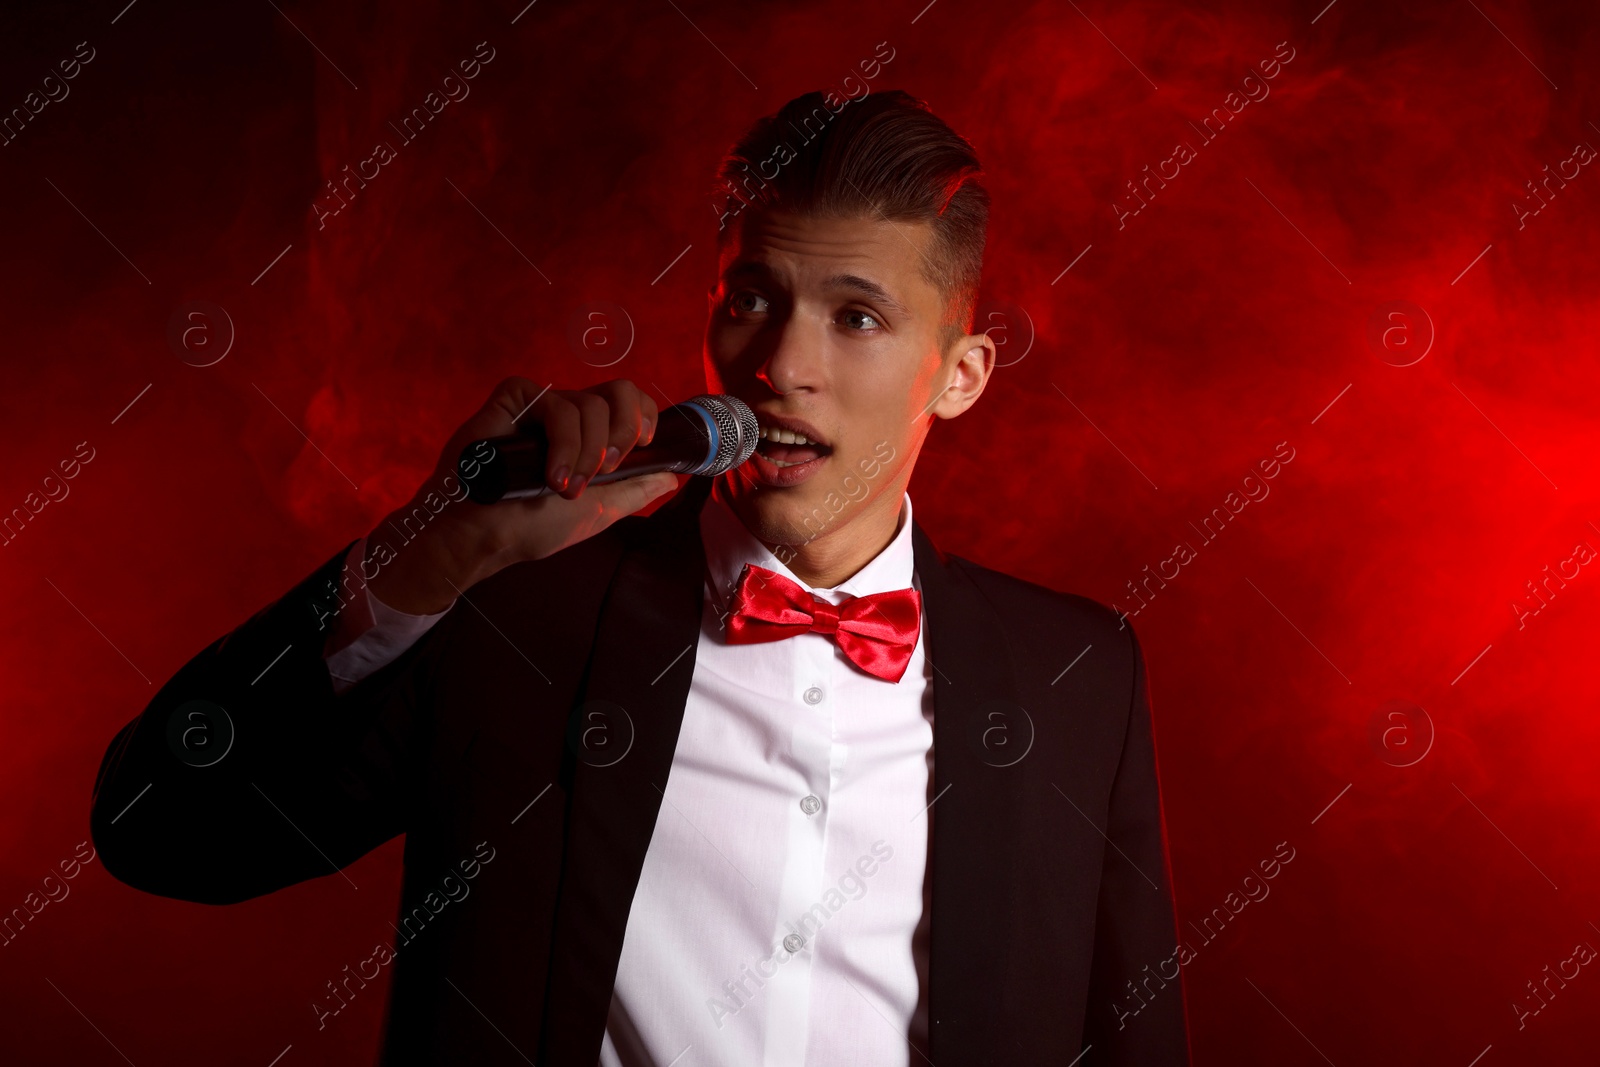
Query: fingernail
{"x": 560, "y": 479}
{"x": 649, "y": 433}
{"x": 612, "y": 455}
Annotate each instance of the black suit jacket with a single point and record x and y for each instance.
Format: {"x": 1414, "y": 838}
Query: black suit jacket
{"x": 1050, "y": 883}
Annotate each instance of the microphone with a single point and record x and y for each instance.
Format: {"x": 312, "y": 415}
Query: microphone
{"x": 705, "y": 435}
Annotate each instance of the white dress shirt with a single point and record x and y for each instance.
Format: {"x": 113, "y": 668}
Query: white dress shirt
{"x": 781, "y": 917}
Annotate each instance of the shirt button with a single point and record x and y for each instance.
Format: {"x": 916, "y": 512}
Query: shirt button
{"x": 813, "y": 695}
{"x": 810, "y": 805}
{"x": 794, "y": 943}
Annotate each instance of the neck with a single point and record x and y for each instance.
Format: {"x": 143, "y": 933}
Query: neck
{"x": 837, "y": 555}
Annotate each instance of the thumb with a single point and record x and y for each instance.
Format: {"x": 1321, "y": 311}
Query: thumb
{"x": 617, "y": 499}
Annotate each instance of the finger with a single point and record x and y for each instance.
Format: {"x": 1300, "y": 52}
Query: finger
{"x": 515, "y": 402}
{"x": 521, "y": 397}
{"x": 594, "y": 416}
{"x": 626, "y": 421}
{"x": 619, "y": 499}
{"x": 498, "y": 415}
{"x": 649, "y": 413}
{"x": 563, "y": 431}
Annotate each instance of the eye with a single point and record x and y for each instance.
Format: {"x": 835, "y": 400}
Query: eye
{"x": 857, "y": 319}
{"x": 746, "y": 302}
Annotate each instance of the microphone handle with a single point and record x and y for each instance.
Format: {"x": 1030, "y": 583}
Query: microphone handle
{"x": 512, "y": 467}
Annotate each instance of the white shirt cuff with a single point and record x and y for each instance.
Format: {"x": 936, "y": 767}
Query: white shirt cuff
{"x": 382, "y": 633}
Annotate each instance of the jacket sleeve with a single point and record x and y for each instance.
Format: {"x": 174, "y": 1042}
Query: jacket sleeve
{"x": 1142, "y": 1024}
{"x": 247, "y": 772}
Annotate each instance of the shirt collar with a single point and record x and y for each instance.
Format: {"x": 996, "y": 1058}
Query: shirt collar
{"x": 729, "y": 546}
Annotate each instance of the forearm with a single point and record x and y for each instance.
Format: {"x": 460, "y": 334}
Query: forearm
{"x": 424, "y": 554}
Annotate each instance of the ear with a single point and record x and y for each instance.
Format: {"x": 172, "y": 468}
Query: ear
{"x": 968, "y": 361}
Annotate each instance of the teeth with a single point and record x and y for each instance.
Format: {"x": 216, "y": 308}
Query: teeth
{"x": 783, "y": 437}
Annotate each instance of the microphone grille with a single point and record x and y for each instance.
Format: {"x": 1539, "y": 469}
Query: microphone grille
{"x": 737, "y": 431}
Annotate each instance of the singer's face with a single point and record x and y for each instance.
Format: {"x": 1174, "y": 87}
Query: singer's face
{"x": 829, "y": 329}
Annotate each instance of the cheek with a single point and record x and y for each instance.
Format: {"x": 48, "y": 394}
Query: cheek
{"x": 869, "y": 419}
{"x": 733, "y": 351}
{"x": 723, "y": 351}
{"x": 878, "y": 447}
{"x": 715, "y": 381}
{"x": 883, "y": 408}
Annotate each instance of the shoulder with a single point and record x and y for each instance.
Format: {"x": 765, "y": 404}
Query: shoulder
{"x": 1047, "y": 622}
{"x": 1024, "y": 599}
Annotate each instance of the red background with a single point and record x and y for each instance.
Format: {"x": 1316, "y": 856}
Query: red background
{"x": 1176, "y": 353}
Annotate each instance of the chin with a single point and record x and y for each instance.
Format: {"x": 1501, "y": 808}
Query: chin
{"x": 794, "y": 515}
{"x": 788, "y": 494}
{"x": 776, "y": 516}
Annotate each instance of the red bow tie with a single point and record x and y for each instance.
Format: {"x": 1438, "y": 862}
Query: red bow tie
{"x": 876, "y": 632}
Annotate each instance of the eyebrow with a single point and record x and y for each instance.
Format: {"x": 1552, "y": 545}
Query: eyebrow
{"x": 866, "y": 287}
{"x": 853, "y": 282}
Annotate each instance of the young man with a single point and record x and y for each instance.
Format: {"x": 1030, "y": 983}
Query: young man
{"x": 760, "y": 778}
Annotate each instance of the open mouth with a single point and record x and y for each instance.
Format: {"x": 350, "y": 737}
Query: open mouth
{"x": 789, "y": 451}
{"x": 787, "y": 448}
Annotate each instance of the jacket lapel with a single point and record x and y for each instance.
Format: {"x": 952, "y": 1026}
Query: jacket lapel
{"x": 623, "y": 737}
{"x": 976, "y": 836}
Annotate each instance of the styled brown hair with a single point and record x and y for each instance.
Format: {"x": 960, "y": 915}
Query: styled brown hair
{"x": 884, "y": 155}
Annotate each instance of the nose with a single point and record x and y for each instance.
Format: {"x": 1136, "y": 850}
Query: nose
{"x": 795, "y": 359}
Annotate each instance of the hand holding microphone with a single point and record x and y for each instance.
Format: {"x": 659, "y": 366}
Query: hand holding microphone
{"x": 554, "y": 462}
{"x": 705, "y": 435}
